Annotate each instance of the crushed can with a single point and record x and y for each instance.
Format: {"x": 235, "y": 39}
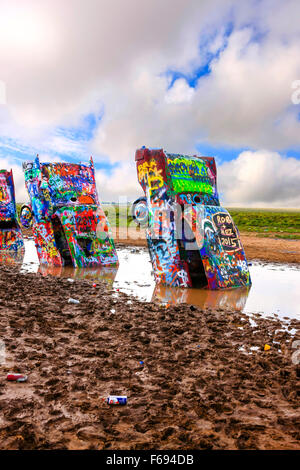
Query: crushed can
{"x": 116, "y": 400}
{"x": 17, "y": 377}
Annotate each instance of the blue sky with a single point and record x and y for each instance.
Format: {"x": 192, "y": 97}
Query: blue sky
{"x": 64, "y": 143}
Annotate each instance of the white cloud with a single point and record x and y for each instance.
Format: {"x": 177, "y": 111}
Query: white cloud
{"x": 260, "y": 179}
{"x": 60, "y": 60}
{"x": 18, "y": 175}
{"x": 245, "y": 101}
{"x": 121, "y": 185}
{"x": 57, "y": 57}
{"x": 180, "y": 92}
{"x": 2, "y": 93}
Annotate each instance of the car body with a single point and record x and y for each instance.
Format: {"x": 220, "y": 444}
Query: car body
{"x": 11, "y": 238}
{"x": 69, "y": 225}
{"x": 192, "y": 240}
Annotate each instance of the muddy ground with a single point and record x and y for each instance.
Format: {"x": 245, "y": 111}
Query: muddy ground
{"x": 257, "y": 247}
{"x": 200, "y": 386}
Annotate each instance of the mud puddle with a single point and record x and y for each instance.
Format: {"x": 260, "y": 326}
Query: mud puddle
{"x": 274, "y": 292}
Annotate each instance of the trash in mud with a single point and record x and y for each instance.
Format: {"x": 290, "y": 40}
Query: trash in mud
{"x": 267, "y": 347}
{"x": 17, "y": 377}
{"x": 73, "y": 301}
{"x": 116, "y": 400}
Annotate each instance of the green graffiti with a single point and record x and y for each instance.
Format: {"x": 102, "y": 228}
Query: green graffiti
{"x": 189, "y": 175}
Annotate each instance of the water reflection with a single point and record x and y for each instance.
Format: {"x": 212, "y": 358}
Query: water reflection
{"x": 274, "y": 291}
{"x": 103, "y": 273}
{"x": 11, "y": 258}
{"x": 231, "y": 298}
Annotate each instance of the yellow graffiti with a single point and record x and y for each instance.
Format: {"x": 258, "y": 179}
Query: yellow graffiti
{"x": 149, "y": 172}
{"x": 52, "y": 251}
{"x": 46, "y": 194}
{"x": 3, "y": 194}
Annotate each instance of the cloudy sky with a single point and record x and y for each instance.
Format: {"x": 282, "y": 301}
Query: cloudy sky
{"x": 104, "y": 77}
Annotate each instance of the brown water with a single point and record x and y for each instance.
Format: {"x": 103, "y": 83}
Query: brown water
{"x": 275, "y": 289}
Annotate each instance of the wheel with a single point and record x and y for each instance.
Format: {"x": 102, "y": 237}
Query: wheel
{"x": 26, "y": 216}
{"x": 139, "y": 211}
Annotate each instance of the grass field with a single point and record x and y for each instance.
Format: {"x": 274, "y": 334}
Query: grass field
{"x": 268, "y": 223}
{"x": 285, "y": 224}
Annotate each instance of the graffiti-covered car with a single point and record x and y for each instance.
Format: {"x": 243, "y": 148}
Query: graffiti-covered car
{"x": 192, "y": 240}
{"x": 11, "y": 238}
{"x": 69, "y": 225}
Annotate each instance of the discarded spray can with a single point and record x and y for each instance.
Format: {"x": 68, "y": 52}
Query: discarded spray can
{"x": 17, "y": 377}
{"x": 73, "y": 301}
{"x": 116, "y": 400}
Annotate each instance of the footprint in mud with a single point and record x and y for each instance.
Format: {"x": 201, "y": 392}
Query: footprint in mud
{"x": 49, "y": 397}
{"x": 246, "y": 441}
{"x": 51, "y": 382}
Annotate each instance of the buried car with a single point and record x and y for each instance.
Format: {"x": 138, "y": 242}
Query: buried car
{"x": 192, "y": 240}
{"x": 11, "y": 238}
{"x": 69, "y": 226}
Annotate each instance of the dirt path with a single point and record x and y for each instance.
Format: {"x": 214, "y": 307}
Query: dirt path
{"x": 200, "y": 385}
{"x": 271, "y": 249}
{"x": 256, "y": 246}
